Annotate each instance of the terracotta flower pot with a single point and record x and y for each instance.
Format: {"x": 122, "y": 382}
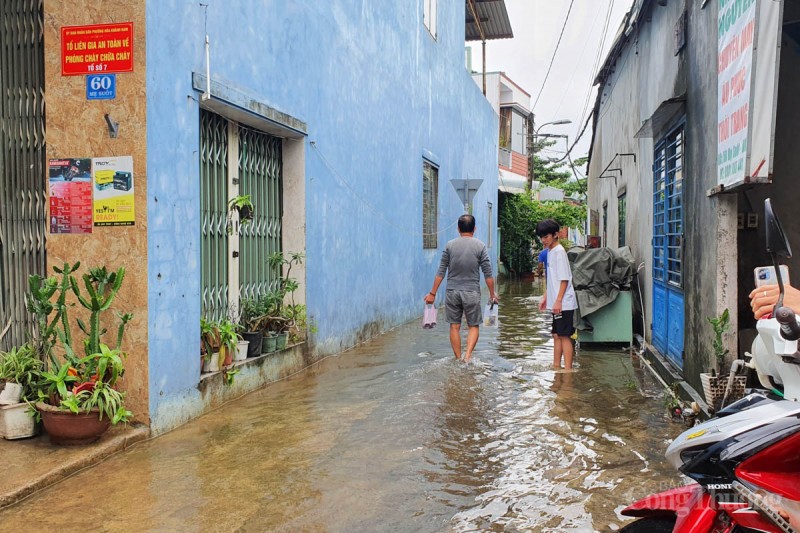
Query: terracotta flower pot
{"x": 67, "y": 428}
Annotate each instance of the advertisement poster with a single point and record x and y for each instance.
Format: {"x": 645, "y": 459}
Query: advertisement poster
{"x": 70, "y": 195}
{"x": 112, "y": 180}
{"x": 97, "y": 49}
{"x": 747, "y": 75}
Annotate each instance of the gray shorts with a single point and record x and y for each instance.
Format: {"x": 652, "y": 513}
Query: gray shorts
{"x": 467, "y": 303}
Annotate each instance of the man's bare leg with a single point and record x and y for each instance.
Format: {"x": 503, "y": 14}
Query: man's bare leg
{"x": 472, "y": 340}
{"x": 557, "y": 351}
{"x": 569, "y": 350}
{"x": 455, "y": 339}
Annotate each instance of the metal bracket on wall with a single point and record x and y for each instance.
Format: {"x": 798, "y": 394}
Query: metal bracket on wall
{"x": 113, "y": 127}
{"x": 607, "y": 169}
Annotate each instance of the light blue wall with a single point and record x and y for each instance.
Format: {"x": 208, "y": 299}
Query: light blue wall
{"x": 377, "y": 93}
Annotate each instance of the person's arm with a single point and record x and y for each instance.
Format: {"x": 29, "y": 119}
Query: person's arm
{"x": 444, "y": 264}
{"x": 764, "y": 298}
{"x": 431, "y": 296}
{"x": 486, "y": 267}
{"x": 492, "y": 296}
{"x": 562, "y": 288}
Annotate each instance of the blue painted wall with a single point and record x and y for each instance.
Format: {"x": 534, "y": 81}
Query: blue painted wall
{"x": 378, "y": 94}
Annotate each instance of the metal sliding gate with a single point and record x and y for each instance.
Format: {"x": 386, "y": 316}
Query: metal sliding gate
{"x": 213, "y": 211}
{"x": 23, "y": 170}
{"x": 260, "y": 176}
{"x": 257, "y": 157}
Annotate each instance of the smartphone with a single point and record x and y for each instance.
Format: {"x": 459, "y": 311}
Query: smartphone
{"x": 766, "y": 275}
{"x": 557, "y": 316}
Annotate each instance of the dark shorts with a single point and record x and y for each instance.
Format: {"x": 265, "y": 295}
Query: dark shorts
{"x": 463, "y": 303}
{"x": 563, "y": 326}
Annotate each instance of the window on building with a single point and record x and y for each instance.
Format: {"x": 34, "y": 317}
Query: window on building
{"x": 430, "y": 200}
{"x": 429, "y": 16}
{"x": 621, "y": 211}
{"x": 235, "y": 160}
{"x": 605, "y": 223}
{"x": 505, "y": 127}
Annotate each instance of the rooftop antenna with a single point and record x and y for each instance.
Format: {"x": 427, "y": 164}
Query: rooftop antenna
{"x": 207, "y": 95}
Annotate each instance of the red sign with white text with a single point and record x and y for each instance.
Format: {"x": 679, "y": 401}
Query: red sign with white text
{"x": 99, "y": 48}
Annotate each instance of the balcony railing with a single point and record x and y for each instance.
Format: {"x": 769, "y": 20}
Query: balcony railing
{"x": 504, "y": 157}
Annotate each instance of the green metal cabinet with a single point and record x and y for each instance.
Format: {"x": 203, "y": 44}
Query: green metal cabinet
{"x": 612, "y": 323}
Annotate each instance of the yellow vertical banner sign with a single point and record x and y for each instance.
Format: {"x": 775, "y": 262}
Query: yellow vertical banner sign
{"x": 112, "y": 181}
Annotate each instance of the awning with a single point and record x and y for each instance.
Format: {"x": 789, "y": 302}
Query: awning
{"x": 491, "y": 23}
{"x": 510, "y": 182}
{"x": 662, "y": 116}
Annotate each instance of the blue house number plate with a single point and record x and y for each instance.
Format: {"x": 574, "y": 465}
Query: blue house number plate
{"x": 101, "y": 86}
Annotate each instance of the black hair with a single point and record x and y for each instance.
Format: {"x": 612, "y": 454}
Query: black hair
{"x": 466, "y": 224}
{"x": 547, "y": 226}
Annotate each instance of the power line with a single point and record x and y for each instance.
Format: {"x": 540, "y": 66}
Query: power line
{"x": 552, "y": 60}
{"x": 597, "y": 60}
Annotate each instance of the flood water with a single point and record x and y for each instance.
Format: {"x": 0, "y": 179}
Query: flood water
{"x": 395, "y": 435}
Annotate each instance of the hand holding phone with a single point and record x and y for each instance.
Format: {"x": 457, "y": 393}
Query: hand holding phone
{"x": 765, "y": 275}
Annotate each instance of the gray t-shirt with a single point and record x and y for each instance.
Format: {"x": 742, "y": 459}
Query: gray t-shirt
{"x": 463, "y": 259}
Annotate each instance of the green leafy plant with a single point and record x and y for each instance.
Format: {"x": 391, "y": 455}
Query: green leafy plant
{"x": 39, "y": 303}
{"x": 517, "y": 219}
{"x": 244, "y": 206}
{"x": 87, "y": 385}
{"x": 720, "y": 325}
{"x": 71, "y": 381}
{"x": 228, "y": 332}
{"x": 229, "y": 374}
{"x": 21, "y": 366}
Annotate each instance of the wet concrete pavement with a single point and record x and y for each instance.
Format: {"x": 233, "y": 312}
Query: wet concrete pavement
{"x": 395, "y": 435}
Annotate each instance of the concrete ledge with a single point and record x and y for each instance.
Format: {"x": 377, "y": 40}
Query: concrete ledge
{"x": 668, "y": 374}
{"x": 33, "y": 464}
{"x": 212, "y": 392}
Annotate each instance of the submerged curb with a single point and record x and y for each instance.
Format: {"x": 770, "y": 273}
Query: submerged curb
{"x": 92, "y": 457}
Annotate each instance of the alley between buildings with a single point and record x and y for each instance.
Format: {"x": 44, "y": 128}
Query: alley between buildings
{"x": 395, "y": 435}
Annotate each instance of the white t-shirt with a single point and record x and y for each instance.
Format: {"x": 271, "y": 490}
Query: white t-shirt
{"x": 557, "y": 271}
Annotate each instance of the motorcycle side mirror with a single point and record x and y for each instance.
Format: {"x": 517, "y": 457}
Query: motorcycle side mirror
{"x": 777, "y": 246}
{"x": 777, "y": 243}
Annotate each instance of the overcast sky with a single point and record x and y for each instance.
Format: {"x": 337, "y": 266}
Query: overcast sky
{"x": 525, "y": 58}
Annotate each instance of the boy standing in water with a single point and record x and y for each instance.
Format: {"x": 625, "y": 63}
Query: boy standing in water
{"x": 560, "y": 296}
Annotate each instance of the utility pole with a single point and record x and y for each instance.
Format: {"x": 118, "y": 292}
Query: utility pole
{"x": 531, "y": 155}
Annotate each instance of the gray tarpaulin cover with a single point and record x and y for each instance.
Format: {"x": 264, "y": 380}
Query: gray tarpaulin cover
{"x": 598, "y": 274}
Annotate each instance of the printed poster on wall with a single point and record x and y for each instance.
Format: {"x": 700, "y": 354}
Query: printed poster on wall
{"x": 70, "y": 183}
{"x": 112, "y": 179}
{"x": 747, "y": 75}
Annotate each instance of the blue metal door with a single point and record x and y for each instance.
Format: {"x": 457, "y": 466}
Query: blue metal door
{"x": 668, "y": 310}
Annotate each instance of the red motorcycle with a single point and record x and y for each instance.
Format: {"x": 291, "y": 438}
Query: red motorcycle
{"x": 746, "y": 460}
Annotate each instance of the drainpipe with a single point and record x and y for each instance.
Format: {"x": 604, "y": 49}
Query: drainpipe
{"x": 483, "y": 45}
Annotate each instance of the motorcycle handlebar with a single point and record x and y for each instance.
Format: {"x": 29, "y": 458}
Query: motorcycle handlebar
{"x": 790, "y": 329}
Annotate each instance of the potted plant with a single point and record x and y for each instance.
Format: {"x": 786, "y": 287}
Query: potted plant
{"x": 288, "y": 312}
{"x": 20, "y": 369}
{"x": 244, "y": 207}
{"x": 228, "y": 338}
{"x": 715, "y": 382}
{"x": 250, "y": 320}
{"x": 77, "y": 398}
{"x": 209, "y": 345}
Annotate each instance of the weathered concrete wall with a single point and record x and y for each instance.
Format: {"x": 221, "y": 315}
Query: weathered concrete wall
{"x": 76, "y": 128}
{"x": 378, "y": 95}
{"x": 647, "y": 73}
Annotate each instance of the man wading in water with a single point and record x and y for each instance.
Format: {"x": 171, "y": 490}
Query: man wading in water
{"x": 463, "y": 259}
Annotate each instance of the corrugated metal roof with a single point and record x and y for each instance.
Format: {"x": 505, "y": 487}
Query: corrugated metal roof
{"x": 492, "y": 18}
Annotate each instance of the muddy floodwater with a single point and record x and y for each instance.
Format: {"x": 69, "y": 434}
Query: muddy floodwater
{"x": 395, "y": 435}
